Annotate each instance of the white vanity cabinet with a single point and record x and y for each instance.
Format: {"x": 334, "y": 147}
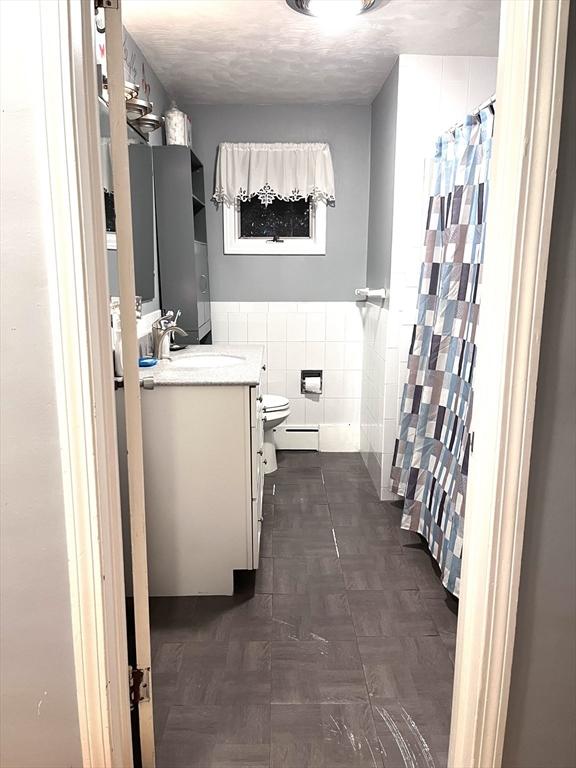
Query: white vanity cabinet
{"x": 204, "y": 486}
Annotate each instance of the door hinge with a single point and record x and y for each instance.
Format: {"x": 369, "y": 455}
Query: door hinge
{"x": 105, "y": 4}
{"x": 139, "y": 680}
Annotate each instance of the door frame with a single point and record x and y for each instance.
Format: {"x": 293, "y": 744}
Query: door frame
{"x": 529, "y": 98}
{"x": 80, "y": 315}
{"x": 529, "y": 94}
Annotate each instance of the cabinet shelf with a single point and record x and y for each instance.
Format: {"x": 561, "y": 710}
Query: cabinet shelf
{"x": 182, "y": 239}
{"x": 198, "y": 204}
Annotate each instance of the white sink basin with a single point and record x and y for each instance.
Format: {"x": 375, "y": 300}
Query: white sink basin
{"x": 207, "y": 361}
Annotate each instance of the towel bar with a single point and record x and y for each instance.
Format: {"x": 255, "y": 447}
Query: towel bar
{"x": 368, "y": 293}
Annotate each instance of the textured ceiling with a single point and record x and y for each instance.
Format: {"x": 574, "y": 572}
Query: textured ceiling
{"x": 261, "y": 52}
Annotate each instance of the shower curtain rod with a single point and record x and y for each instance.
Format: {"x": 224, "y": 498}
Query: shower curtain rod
{"x": 487, "y": 103}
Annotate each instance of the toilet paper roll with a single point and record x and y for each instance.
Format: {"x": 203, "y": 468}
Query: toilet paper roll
{"x": 313, "y": 384}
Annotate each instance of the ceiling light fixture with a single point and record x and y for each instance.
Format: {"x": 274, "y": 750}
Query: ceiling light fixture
{"x": 332, "y": 10}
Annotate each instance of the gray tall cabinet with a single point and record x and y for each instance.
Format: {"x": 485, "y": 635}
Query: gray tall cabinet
{"x": 181, "y": 235}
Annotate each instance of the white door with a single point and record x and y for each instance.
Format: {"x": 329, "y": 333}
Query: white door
{"x": 133, "y": 418}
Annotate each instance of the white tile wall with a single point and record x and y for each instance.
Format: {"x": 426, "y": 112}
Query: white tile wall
{"x": 335, "y": 325}
{"x": 374, "y": 375}
{"x": 300, "y": 335}
{"x": 433, "y": 93}
{"x": 295, "y": 327}
{"x": 256, "y": 327}
{"x": 275, "y": 355}
{"x": 237, "y": 327}
{"x": 296, "y": 354}
{"x": 334, "y": 355}
{"x": 274, "y": 327}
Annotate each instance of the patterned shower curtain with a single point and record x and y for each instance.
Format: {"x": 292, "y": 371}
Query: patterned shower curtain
{"x": 430, "y": 463}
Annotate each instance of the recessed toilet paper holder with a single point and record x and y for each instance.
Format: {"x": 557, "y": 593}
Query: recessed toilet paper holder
{"x": 310, "y": 374}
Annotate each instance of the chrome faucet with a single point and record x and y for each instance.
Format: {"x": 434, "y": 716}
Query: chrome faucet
{"x": 159, "y": 335}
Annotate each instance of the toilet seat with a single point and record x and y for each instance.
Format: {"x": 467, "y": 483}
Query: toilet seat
{"x": 273, "y": 403}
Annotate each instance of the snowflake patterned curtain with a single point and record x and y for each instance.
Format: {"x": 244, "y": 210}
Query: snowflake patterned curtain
{"x": 274, "y": 171}
{"x": 430, "y": 464}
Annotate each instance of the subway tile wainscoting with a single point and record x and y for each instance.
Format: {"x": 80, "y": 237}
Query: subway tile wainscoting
{"x": 305, "y": 335}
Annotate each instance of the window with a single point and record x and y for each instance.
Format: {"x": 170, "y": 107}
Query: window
{"x": 280, "y": 219}
{"x": 282, "y": 227}
{"x": 274, "y": 196}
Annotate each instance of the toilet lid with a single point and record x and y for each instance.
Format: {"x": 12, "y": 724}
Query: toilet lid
{"x": 275, "y": 403}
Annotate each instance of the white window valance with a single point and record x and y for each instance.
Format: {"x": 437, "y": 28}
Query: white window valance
{"x": 273, "y": 171}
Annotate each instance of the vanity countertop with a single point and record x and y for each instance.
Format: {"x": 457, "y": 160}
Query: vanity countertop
{"x": 175, "y": 373}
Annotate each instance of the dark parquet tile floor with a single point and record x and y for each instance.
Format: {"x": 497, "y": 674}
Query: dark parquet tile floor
{"x": 339, "y": 654}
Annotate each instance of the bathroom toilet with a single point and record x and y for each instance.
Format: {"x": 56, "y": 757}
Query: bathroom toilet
{"x": 276, "y": 411}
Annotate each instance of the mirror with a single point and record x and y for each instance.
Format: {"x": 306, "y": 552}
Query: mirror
{"x": 142, "y": 197}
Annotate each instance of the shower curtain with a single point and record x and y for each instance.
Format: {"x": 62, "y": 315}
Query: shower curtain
{"x": 430, "y": 462}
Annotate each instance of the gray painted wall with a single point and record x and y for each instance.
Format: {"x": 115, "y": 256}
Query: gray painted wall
{"x": 137, "y": 70}
{"x": 382, "y": 158}
{"x": 39, "y": 724}
{"x": 542, "y": 712}
{"x": 332, "y": 277}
